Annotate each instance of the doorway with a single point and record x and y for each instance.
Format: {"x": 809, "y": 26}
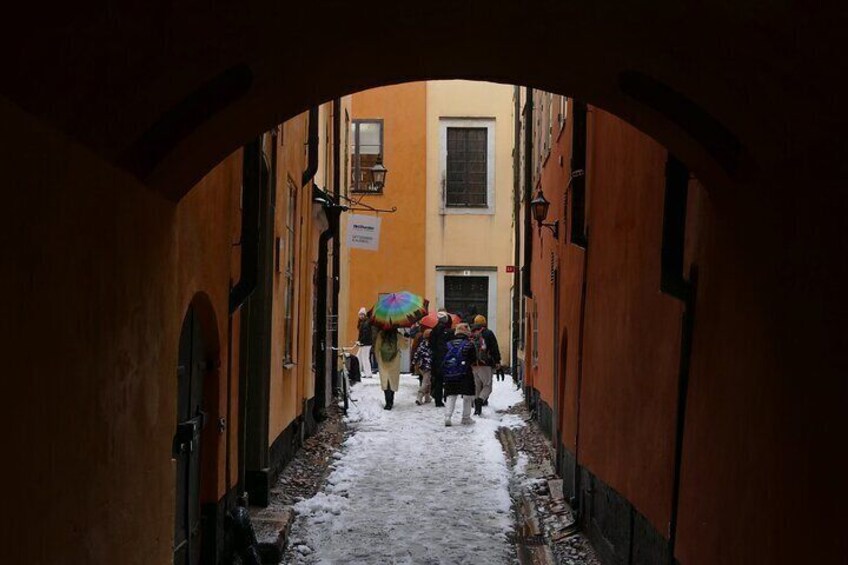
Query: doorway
{"x": 467, "y": 296}
{"x": 191, "y": 369}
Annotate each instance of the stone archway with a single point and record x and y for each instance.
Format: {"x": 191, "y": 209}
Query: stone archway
{"x": 168, "y": 94}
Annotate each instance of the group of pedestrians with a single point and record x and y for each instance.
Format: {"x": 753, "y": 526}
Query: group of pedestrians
{"x": 452, "y": 361}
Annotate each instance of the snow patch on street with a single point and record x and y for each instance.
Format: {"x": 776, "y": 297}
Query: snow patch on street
{"x": 407, "y": 489}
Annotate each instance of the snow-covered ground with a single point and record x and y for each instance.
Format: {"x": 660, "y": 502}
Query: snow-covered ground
{"x": 407, "y": 489}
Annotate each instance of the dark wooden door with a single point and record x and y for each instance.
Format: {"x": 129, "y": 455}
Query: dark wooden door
{"x": 190, "y": 419}
{"x": 467, "y": 296}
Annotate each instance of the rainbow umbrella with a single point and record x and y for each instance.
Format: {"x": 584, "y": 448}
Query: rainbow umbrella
{"x": 398, "y": 310}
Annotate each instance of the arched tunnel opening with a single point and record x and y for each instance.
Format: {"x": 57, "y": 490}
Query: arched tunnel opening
{"x": 696, "y": 263}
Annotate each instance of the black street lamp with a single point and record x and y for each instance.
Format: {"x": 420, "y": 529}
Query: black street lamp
{"x": 378, "y": 174}
{"x": 540, "y": 206}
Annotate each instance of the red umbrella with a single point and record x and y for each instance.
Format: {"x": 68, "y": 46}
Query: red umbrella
{"x": 431, "y": 319}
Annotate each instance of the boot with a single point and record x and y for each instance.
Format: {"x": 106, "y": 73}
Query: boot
{"x": 478, "y": 407}
{"x": 388, "y": 394}
{"x": 391, "y": 394}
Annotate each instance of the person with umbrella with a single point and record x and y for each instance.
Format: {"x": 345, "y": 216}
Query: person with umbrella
{"x": 391, "y": 312}
{"x": 388, "y": 364}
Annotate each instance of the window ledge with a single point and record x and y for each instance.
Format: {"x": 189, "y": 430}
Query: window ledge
{"x": 467, "y": 211}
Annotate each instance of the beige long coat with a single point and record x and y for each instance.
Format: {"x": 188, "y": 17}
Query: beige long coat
{"x": 389, "y": 370}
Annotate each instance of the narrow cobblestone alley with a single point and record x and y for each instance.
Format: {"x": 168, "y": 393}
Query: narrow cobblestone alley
{"x": 406, "y": 489}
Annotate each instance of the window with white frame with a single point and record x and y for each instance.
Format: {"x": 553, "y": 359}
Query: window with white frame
{"x": 549, "y": 129}
{"x": 347, "y": 174}
{"x": 467, "y": 165}
{"x": 367, "y": 136}
{"x": 563, "y": 113}
{"x": 289, "y": 297}
{"x": 535, "y": 329}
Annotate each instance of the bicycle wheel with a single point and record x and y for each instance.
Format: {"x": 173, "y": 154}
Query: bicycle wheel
{"x": 344, "y": 388}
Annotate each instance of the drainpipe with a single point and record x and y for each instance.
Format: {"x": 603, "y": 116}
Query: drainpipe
{"x": 333, "y": 213}
{"x": 580, "y": 238}
{"x": 251, "y": 189}
{"x": 516, "y": 211}
{"x": 312, "y": 153}
{"x": 319, "y": 411}
{"x": 673, "y": 283}
{"x": 576, "y": 469}
{"x": 337, "y": 188}
{"x": 528, "y": 188}
{"x": 240, "y": 292}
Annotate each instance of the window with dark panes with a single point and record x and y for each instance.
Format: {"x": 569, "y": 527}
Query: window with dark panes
{"x": 466, "y": 184}
{"x": 467, "y": 296}
{"x": 367, "y": 137}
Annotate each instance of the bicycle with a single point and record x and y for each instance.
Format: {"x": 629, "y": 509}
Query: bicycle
{"x": 343, "y": 389}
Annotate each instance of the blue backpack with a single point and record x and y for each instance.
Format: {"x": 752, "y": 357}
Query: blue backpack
{"x": 454, "y": 367}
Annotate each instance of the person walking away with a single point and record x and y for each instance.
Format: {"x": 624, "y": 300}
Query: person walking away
{"x": 365, "y": 340}
{"x": 422, "y": 361}
{"x": 439, "y": 336}
{"x": 415, "y": 334}
{"x": 388, "y": 363}
{"x": 488, "y": 358}
{"x": 457, "y": 376}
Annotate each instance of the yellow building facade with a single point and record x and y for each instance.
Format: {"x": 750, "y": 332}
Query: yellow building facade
{"x": 448, "y": 148}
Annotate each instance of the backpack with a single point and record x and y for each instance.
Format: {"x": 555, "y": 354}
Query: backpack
{"x": 389, "y": 346}
{"x": 454, "y": 367}
{"x": 483, "y": 356}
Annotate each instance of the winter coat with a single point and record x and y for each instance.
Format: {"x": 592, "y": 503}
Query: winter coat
{"x": 389, "y": 367}
{"x": 366, "y": 332}
{"x": 464, "y": 386}
{"x": 422, "y": 356}
{"x": 439, "y": 337}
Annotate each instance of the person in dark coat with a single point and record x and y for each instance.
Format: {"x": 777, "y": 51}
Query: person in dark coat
{"x": 439, "y": 337}
{"x": 457, "y": 376}
{"x": 488, "y": 360}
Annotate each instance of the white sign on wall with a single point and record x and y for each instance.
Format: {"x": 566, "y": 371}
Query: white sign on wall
{"x": 363, "y": 232}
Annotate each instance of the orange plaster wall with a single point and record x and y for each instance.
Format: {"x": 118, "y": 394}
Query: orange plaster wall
{"x": 399, "y": 263}
{"x": 286, "y": 387}
{"x": 204, "y": 226}
{"x": 90, "y": 267}
{"x": 632, "y": 331}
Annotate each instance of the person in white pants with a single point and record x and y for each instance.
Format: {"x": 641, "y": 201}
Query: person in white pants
{"x": 458, "y": 379}
{"x": 467, "y": 405}
{"x": 365, "y": 341}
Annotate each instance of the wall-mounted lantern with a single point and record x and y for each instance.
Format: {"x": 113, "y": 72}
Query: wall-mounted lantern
{"x": 540, "y": 206}
{"x": 378, "y": 174}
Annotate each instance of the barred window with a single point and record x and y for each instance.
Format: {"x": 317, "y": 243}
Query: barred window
{"x": 467, "y": 154}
